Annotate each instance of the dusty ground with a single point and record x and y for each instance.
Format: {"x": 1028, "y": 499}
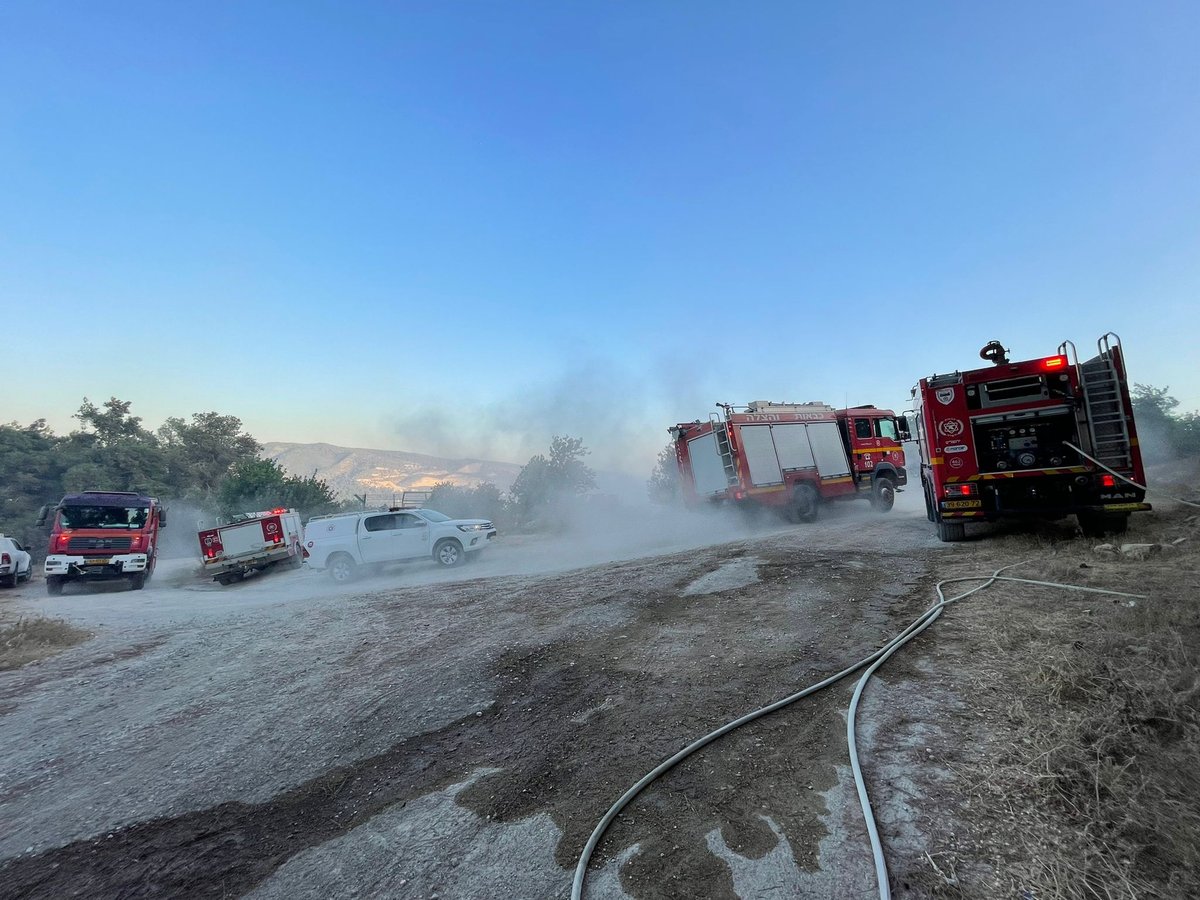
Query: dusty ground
{"x": 459, "y": 734}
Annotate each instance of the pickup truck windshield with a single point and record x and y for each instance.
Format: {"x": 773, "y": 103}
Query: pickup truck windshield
{"x": 431, "y": 515}
{"x": 117, "y": 517}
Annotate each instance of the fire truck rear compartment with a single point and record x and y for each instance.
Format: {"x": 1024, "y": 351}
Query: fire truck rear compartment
{"x": 1023, "y": 441}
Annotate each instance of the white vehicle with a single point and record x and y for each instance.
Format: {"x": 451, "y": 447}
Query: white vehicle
{"x": 343, "y": 542}
{"x": 252, "y": 542}
{"x": 15, "y": 562}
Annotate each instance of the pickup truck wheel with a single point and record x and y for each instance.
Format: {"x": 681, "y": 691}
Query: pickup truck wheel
{"x": 342, "y": 568}
{"x": 54, "y": 585}
{"x": 10, "y": 580}
{"x": 449, "y": 553}
{"x": 883, "y": 494}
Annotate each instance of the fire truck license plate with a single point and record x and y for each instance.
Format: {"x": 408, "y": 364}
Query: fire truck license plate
{"x": 963, "y": 504}
{"x": 97, "y": 562}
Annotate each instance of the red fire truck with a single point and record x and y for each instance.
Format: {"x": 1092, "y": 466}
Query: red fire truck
{"x": 252, "y": 542}
{"x": 1046, "y": 438}
{"x": 102, "y": 536}
{"x": 792, "y": 456}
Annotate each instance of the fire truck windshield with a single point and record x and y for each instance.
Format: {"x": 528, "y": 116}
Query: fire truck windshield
{"x": 120, "y": 517}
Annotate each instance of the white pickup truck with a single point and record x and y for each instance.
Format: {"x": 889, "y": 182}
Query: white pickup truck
{"x": 343, "y": 542}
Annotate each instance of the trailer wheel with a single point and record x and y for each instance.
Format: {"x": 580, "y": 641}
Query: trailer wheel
{"x": 229, "y": 578}
{"x": 54, "y": 585}
{"x": 449, "y": 553}
{"x": 883, "y": 494}
{"x": 137, "y": 582}
{"x": 342, "y": 568}
{"x": 951, "y": 532}
{"x": 1097, "y": 525}
{"x": 806, "y": 502}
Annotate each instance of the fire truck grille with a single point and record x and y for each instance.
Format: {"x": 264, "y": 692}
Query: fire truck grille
{"x": 97, "y": 543}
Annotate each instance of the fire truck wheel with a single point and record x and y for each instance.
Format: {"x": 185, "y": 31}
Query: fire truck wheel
{"x": 54, "y": 585}
{"x": 929, "y": 513}
{"x": 806, "y": 502}
{"x": 949, "y": 532}
{"x": 883, "y": 494}
{"x": 137, "y": 582}
{"x": 448, "y": 553}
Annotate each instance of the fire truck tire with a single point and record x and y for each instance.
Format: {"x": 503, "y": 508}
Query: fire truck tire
{"x": 54, "y": 585}
{"x": 929, "y": 513}
{"x": 950, "y": 532}
{"x": 883, "y": 494}
{"x": 342, "y": 568}
{"x": 1096, "y": 525}
{"x": 449, "y": 553}
{"x": 137, "y": 582}
{"x": 806, "y": 503}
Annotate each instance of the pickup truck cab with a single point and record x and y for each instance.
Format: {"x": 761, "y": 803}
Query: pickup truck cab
{"x": 343, "y": 542}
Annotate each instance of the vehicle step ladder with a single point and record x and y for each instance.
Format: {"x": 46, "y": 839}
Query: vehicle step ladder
{"x": 1104, "y": 407}
{"x": 721, "y": 433}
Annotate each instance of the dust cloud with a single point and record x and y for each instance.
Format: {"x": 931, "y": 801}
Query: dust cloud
{"x": 621, "y": 415}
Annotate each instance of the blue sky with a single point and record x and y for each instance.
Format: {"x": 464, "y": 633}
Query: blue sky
{"x": 464, "y": 227}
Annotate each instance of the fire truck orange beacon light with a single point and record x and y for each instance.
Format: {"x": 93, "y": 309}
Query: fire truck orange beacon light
{"x": 1054, "y": 362}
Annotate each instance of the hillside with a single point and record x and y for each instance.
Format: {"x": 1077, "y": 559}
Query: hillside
{"x": 353, "y": 470}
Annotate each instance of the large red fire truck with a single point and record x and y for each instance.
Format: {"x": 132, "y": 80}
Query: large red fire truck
{"x": 1046, "y": 438}
{"x": 792, "y": 456}
{"x": 102, "y": 536}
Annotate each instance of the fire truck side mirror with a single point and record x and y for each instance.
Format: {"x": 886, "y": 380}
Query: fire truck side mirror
{"x": 902, "y": 428}
{"x": 43, "y": 514}
{"x": 162, "y": 518}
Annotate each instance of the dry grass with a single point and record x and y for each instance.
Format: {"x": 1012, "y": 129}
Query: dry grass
{"x": 28, "y": 639}
{"x": 1089, "y": 788}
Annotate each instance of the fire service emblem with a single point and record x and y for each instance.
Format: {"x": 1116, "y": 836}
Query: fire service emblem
{"x": 950, "y": 427}
{"x": 945, "y": 396}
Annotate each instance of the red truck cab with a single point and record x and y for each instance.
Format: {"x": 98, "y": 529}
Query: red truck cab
{"x": 102, "y": 536}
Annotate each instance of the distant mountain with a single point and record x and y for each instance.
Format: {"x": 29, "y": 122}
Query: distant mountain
{"x": 383, "y": 473}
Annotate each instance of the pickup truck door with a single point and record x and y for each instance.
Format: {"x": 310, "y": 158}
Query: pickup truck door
{"x": 391, "y": 536}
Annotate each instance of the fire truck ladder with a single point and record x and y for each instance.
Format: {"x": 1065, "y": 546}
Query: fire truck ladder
{"x": 1104, "y": 406}
{"x": 721, "y": 433}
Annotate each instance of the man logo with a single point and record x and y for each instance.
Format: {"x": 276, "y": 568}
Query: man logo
{"x": 945, "y": 396}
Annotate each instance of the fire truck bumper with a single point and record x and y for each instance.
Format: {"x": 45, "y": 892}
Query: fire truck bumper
{"x": 957, "y": 509}
{"x": 96, "y": 568}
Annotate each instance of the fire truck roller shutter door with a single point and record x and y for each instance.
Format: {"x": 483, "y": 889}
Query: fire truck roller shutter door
{"x": 791, "y": 446}
{"x": 828, "y": 449}
{"x": 759, "y": 450}
{"x": 708, "y": 472}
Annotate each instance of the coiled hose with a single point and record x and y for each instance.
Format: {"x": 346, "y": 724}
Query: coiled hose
{"x": 875, "y": 660}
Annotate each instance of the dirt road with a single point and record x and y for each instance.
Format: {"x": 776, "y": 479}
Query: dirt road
{"x": 458, "y": 734}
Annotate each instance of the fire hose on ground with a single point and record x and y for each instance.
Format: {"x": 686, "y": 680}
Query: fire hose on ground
{"x": 874, "y": 661}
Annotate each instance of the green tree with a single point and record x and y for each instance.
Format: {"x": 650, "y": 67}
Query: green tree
{"x": 31, "y": 473}
{"x": 664, "y": 486}
{"x": 460, "y": 502}
{"x": 544, "y": 485}
{"x": 257, "y": 484}
{"x": 200, "y": 453}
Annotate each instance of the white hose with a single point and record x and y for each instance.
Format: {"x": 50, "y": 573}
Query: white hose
{"x": 877, "y": 658}
{"x": 1128, "y": 480}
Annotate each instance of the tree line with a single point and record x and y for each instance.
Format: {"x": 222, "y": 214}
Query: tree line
{"x": 206, "y": 461}
{"x": 210, "y": 464}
